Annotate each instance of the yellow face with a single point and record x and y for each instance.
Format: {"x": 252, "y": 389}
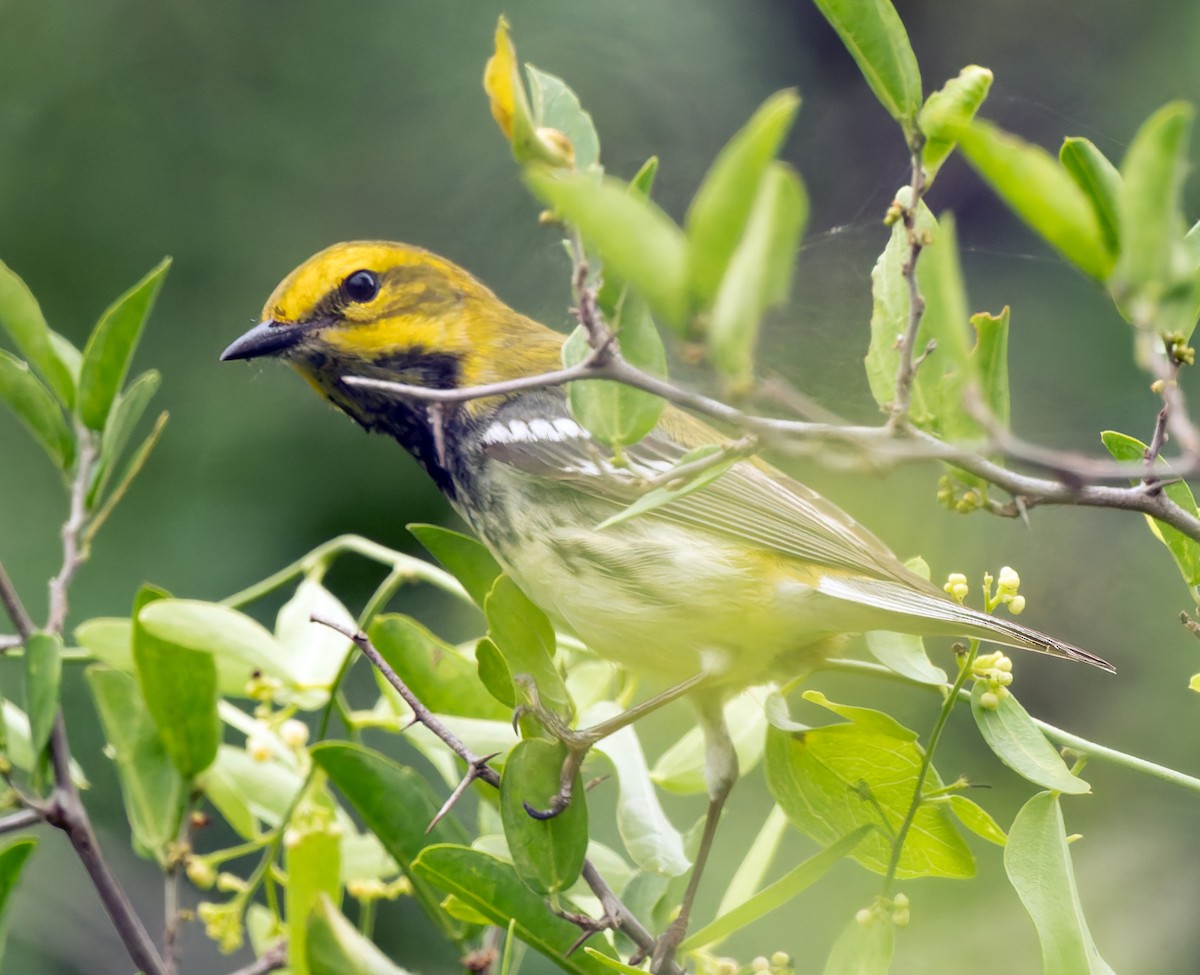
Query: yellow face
{"x": 395, "y": 311}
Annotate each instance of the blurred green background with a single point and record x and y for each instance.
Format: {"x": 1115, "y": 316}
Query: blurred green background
{"x": 242, "y": 137}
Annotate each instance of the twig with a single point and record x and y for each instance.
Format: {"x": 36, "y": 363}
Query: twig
{"x": 67, "y": 813}
{"x": 74, "y": 553}
{"x": 271, "y": 959}
{"x": 882, "y": 443}
{"x": 609, "y": 900}
{"x": 906, "y": 368}
{"x": 15, "y": 608}
{"x": 420, "y": 711}
{"x": 20, "y": 820}
{"x": 10, "y": 643}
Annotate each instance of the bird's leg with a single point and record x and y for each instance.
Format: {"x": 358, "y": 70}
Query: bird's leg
{"x": 579, "y": 742}
{"x": 720, "y": 773}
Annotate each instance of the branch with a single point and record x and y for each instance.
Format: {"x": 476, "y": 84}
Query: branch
{"x": 67, "y": 813}
{"x": 1081, "y": 482}
{"x": 65, "y": 809}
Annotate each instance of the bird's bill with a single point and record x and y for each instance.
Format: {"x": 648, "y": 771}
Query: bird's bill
{"x": 266, "y": 338}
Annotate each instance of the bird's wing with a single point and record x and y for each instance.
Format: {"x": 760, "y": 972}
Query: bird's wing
{"x": 756, "y": 504}
{"x": 751, "y": 502}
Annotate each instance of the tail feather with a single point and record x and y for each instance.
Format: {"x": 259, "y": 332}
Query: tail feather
{"x": 894, "y": 597}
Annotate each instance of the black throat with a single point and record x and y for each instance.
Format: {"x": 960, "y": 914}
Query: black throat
{"x": 430, "y": 431}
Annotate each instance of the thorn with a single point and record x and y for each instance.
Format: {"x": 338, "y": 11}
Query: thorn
{"x": 474, "y": 771}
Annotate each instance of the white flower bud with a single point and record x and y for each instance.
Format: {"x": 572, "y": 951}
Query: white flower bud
{"x": 294, "y": 733}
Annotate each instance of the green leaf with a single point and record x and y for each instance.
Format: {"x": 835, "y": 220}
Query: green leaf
{"x": 758, "y": 275}
{"x": 151, "y": 787}
{"x": 875, "y": 37}
{"x": 46, "y": 351}
{"x": 614, "y": 964}
{"x": 652, "y": 842}
{"x": 523, "y": 634}
{"x": 111, "y": 345}
{"x": 126, "y": 411}
{"x": 315, "y": 653}
{"x": 246, "y": 791}
{"x": 904, "y": 653}
{"x": 179, "y": 686}
{"x": 241, "y": 644}
{"x": 834, "y": 779}
{"x": 1011, "y": 734}
{"x": 1038, "y": 863}
{"x": 990, "y": 362}
{"x": 312, "y": 861}
{"x": 547, "y": 853}
{"x": 1154, "y": 280}
{"x": 463, "y": 557}
{"x": 43, "y": 678}
{"x": 12, "y": 861}
{"x": 1100, "y": 181}
{"x": 494, "y": 673}
{"x": 774, "y": 896}
{"x": 863, "y": 949}
{"x": 614, "y": 413}
{"x": 35, "y": 406}
{"x": 19, "y": 748}
{"x": 943, "y": 378}
{"x": 442, "y": 678}
{"x": 335, "y": 947}
{"x": 397, "y": 805}
{"x": 492, "y": 887}
{"x": 977, "y": 819}
{"x": 946, "y": 110}
{"x": 721, "y": 208}
{"x": 1184, "y": 550}
{"x": 657, "y": 497}
{"x": 748, "y": 879}
{"x": 1039, "y": 191}
{"x": 636, "y": 240}
{"x": 556, "y": 106}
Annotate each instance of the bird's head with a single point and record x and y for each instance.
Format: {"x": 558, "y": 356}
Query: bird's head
{"x": 391, "y": 311}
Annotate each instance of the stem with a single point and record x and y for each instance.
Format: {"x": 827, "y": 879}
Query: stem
{"x": 935, "y": 736}
{"x": 410, "y": 568}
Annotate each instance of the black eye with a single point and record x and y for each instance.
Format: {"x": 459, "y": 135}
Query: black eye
{"x": 361, "y": 286}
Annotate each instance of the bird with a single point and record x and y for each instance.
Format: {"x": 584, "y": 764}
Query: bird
{"x": 750, "y": 578}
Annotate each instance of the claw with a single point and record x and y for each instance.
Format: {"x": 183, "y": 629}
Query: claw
{"x": 557, "y": 806}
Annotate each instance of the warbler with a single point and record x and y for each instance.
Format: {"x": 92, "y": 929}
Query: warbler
{"x": 748, "y": 578}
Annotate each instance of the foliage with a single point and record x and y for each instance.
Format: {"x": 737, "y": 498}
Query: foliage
{"x": 205, "y": 710}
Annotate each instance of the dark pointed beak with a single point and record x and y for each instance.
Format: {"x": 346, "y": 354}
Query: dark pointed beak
{"x": 266, "y": 338}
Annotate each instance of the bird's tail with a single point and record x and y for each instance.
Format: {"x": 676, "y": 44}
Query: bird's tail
{"x": 894, "y": 597}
